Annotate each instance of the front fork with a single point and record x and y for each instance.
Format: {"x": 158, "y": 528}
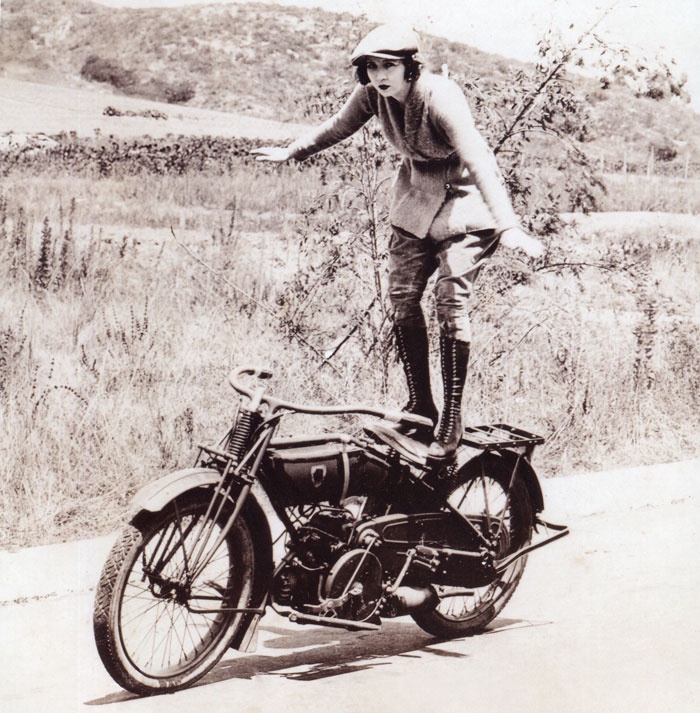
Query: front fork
{"x": 235, "y": 484}
{"x": 230, "y": 482}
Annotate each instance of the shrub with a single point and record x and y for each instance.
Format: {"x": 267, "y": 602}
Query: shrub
{"x": 179, "y": 93}
{"x": 665, "y": 151}
{"x": 98, "y": 69}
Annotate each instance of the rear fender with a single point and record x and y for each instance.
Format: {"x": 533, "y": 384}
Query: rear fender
{"x": 506, "y": 460}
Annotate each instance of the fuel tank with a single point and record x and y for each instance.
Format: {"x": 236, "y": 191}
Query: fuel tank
{"x": 324, "y": 470}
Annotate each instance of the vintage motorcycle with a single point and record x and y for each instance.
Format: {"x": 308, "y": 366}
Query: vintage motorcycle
{"x": 370, "y": 529}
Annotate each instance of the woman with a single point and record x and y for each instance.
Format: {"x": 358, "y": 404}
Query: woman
{"x": 449, "y": 211}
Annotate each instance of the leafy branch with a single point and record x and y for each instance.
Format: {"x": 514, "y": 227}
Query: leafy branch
{"x": 551, "y": 73}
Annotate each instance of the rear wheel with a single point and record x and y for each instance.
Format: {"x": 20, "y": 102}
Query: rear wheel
{"x": 480, "y": 494}
{"x": 160, "y": 621}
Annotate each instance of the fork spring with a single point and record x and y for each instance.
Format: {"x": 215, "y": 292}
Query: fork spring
{"x": 240, "y": 434}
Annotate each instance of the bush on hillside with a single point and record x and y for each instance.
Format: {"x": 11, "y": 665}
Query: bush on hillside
{"x": 98, "y": 69}
{"x": 179, "y": 93}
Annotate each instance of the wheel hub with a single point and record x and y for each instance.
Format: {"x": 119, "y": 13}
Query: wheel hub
{"x": 174, "y": 590}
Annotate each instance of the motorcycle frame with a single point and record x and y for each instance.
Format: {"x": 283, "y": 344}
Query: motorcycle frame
{"x": 231, "y": 481}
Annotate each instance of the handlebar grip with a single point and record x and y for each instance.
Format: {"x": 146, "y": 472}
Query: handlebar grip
{"x": 255, "y": 371}
{"x": 263, "y": 373}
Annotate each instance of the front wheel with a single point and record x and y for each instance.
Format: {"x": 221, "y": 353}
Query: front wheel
{"x": 161, "y": 621}
{"x": 480, "y": 494}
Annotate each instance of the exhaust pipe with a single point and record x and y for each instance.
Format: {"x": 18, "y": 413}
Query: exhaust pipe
{"x": 406, "y": 600}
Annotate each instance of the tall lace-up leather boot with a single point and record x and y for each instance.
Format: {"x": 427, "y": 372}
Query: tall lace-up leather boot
{"x": 454, "y": 356}
{"x": 412, "y": 346}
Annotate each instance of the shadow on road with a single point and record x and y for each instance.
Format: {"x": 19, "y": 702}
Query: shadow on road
{"x": 317, "y": 653}
{"x": 326, "y": 652}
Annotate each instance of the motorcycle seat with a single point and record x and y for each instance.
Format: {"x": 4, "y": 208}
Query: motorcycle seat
{"x": 411, "y": 449}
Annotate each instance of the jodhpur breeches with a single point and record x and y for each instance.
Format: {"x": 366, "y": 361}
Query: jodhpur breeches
{"x": 455, "y": 262}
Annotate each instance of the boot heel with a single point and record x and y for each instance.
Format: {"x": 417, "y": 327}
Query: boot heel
{"x": 434, "y": 463}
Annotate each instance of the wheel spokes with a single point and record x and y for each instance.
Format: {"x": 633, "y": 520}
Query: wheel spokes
{"x": 483, "y": 501}
{"x": 159, "y": 628}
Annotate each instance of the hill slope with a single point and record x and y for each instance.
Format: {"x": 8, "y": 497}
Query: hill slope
{"x": 37, "y": 108}
{"x": 260, "y": 60}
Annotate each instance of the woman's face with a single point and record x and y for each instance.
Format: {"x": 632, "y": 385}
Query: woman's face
{"x": 387, "y": 76}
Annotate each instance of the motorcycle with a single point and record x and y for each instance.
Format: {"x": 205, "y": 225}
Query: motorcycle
{"x": 370, "y": 529}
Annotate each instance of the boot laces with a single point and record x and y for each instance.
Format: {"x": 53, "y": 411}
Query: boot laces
{"x": 452, "y": 397}
{"x": 410, "y": 376}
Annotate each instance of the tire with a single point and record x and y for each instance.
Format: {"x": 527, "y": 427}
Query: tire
{"x": 147, "y": 634}
{"x": 479, "y": 492}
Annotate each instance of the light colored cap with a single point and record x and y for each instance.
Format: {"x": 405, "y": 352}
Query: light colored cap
{"x": 389, "y": 41}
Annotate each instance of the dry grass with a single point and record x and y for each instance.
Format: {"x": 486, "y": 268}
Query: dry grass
{"x": 113, "y": 369}
{"x": 628, "y": 192}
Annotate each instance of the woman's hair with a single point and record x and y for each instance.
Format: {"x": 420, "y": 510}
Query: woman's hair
{"x": 410, "y": 61}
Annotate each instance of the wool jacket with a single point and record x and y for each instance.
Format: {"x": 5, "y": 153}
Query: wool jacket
{"x": 449, "y": 182}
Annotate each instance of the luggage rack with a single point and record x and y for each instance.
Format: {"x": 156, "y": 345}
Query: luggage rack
{"x": 499, "y": 435}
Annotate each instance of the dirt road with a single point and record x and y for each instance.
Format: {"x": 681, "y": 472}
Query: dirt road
{"x": 605, "y": 620}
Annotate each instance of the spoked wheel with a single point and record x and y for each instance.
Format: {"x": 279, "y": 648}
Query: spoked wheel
{"x": 482, "y": 497}
{"x": 163, "y": 608}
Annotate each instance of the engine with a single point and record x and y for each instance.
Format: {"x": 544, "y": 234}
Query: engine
{"x": 331, "y": 573}
{"x": 341, "y": 567}
{"x": 320, "y": 541}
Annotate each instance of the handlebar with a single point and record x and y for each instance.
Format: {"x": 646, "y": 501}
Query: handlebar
{"x": 258, "y": 395}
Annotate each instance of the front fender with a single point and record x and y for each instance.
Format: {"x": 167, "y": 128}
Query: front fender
{"x": 155, "y": 495}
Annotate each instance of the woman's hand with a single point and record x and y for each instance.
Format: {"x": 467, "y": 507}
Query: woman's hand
{"x": 518, "y": 238}
{"x": 277, "y": 154}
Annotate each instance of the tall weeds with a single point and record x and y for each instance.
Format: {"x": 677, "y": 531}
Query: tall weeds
{"x": 116, "y": 337}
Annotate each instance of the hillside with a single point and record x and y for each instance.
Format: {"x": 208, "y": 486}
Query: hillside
{"x": 53, "y": 110}
{"x": 259, "y": 60}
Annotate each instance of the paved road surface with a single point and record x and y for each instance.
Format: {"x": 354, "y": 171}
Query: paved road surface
{"x": 605, "y": 620}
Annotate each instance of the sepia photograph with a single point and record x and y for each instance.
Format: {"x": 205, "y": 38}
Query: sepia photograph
{"x": 349, "y": 356}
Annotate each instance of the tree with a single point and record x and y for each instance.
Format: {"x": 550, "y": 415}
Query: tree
{"x": 343, "y": 246}
{"x": 534, "y": 119}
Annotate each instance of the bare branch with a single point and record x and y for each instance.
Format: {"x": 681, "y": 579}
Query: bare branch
{"x": 262, "y": 305}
